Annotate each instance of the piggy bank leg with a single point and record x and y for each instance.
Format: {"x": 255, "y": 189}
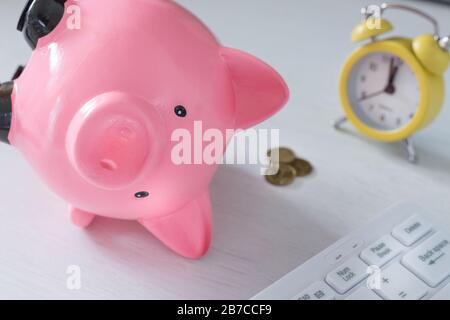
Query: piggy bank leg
{"x": 186, "y": 231}
{"x": 80, "y": 218}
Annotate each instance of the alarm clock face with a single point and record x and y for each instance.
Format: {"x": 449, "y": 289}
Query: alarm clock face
{"x": 383, "y": 91}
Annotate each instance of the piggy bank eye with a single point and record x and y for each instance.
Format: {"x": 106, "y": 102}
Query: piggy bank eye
{"x": 39, "y": 18}
{"x": 141, "y": 195}
{"x": 180, "y": 111}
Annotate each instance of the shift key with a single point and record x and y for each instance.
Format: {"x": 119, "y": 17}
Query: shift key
{"x": 430, "y": 261}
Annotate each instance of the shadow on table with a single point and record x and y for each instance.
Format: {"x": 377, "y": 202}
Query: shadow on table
{"x": 430, "y": 157}
{"x": 259, "y": 236}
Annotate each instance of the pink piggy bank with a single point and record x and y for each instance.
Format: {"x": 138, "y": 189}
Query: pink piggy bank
{"x": 106, "y": 86}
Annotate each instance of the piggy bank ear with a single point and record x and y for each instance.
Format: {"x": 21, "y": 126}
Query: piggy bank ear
{"x": 259, "y": 90}
{"x": 110, "y": 139}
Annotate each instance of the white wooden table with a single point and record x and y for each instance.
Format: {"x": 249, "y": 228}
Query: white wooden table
{"x": 261, "y": 232}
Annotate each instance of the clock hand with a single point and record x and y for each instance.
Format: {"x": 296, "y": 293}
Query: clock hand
{"x": 390, "y": 88}
{"x": 393, "y": 70}
{"x": 368, "y": 96}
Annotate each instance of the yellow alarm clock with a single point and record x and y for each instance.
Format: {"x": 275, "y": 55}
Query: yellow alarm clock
{"x": 392, "y": 88}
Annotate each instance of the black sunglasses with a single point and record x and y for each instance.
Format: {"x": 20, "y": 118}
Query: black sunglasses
{"x": 39, "y": 18}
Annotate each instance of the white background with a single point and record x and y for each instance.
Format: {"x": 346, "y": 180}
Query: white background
{"x": 261, "y": 232}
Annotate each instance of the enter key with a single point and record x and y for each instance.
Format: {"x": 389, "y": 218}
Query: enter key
{"x": 430, "y": 261}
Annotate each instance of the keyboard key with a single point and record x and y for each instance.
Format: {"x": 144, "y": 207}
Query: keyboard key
{"x": 430, "y": 260}
{"x": 397, "y": 283}
{"x": 412, "y": 230}
{"x": 348, "y": 275}
{"x": 443, "y": 294}
{"x": 363, "y": 293}
{"x": 382, "y": 251}
{"x": 317, "y": 291}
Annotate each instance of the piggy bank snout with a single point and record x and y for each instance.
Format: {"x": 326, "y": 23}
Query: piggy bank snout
{"x": 113, "y": 138}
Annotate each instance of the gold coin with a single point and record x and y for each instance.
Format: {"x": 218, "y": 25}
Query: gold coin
{"x": 285, "y": 176}
{"x": 285, "y": 155}
{"x": 302, "y": 167}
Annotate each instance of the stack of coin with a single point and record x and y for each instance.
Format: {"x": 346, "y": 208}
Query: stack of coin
{"x": 290, "y": 167}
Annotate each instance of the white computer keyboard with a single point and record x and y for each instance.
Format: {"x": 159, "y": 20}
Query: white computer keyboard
{"x": 401, "y": 255}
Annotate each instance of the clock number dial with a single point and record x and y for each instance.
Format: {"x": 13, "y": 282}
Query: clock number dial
{"x": 383, "y": 91}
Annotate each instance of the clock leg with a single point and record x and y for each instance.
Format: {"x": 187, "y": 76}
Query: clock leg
{"x": 339, "y": 122}
{"x": 412, "y": 155}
